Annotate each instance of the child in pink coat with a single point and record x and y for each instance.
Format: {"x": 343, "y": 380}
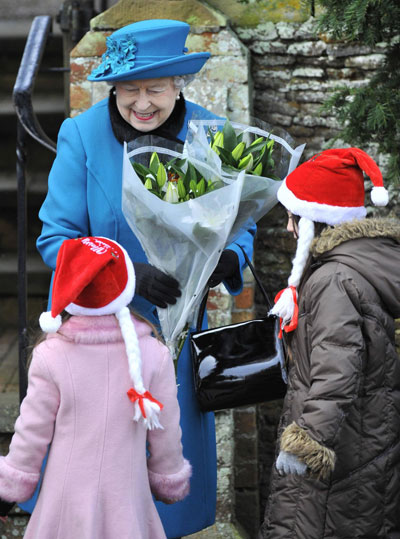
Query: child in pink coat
{"x": 102, "y": 393}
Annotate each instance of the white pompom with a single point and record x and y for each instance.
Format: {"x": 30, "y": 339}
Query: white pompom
{"x": 48, "y": 323}
{"x": 379, "y": 196}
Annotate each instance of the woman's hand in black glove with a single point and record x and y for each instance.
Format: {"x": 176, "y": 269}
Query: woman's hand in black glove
{"x": 5, "y": 508}
{"x": 226, "y": 270}
{"x": 155, "y": 286}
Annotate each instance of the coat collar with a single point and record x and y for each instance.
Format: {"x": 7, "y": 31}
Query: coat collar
{"x": 97, "y": 329}
{"x": 331, "y": 237}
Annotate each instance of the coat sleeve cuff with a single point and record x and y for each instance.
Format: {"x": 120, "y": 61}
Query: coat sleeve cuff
{"x": 171, "y": 487}
{"x": 319, "y": 459}
{"x": 16, "y": 485}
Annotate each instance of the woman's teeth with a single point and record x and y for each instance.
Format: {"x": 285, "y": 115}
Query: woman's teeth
{"x": 144, "y": 116}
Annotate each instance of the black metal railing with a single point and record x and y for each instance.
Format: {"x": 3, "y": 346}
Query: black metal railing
{"x": 27, "y": 124}
{"x": 74, "y": 20}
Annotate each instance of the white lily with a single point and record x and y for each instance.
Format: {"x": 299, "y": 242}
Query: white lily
{"x": 207, "y": 217}
{"x": 172, "y": 194}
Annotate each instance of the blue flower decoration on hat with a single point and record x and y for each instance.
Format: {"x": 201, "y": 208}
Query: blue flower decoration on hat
{"x": 119, "y": 57}
{"x": 146, "y": 50}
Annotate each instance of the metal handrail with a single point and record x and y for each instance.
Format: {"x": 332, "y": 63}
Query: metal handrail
{"x": 27, "y": 123}
{"x": 24, "y": 84}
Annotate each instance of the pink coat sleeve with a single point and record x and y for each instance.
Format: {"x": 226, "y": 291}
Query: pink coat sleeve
{"x": 169, "y": 472}
{"x": 20, "y": 469}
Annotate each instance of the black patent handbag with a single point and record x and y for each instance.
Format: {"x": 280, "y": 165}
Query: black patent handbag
{"x": 239, "y": 364}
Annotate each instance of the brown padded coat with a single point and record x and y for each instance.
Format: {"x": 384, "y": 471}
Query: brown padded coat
{"x": 341, "y": 414}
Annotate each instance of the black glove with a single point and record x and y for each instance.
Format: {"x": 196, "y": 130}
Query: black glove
{"x": 155, "y": 286}
{"x": 5, "y": 507}
{"x": 227, "y": 270}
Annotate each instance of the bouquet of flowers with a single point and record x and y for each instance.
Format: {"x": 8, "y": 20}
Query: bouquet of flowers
{"x": 185, "y": 207}
{"x": 178, "y": 180}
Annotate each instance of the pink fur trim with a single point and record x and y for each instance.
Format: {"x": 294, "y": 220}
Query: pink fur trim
{"x": 16, "y": 485}
{"x": 98, "y": 329}
{"x": 171, "y": 487}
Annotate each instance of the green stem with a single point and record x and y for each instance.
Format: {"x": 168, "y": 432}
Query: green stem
{"x": 181, "y": 342}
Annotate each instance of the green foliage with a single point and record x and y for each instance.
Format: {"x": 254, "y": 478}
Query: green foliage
{"x": 256, "y": 157}
{"x": 366, "y": 21}
{"x": 179, "y": 181}
{"x": 369, "y": 113}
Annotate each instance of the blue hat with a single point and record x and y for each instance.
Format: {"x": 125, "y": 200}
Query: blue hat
{"x": 148, "y": 50}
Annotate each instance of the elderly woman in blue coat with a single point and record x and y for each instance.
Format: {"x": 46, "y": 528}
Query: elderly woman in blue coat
{"x": 147, "y": 65}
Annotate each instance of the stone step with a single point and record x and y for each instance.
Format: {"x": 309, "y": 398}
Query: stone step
{"x": 38, "y": 275}
{"x": 8, "y": 231}
{"x": 36, "y": 186}
{"x": 18, "y": 29}
{"x": 50, "y": 114}
{"x": 9, "y": 389}
{"x": 49, "y": 104}
{"x": 12, "y": 47}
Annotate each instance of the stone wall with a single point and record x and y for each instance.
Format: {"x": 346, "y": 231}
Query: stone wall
{"x": 294, "y": 71}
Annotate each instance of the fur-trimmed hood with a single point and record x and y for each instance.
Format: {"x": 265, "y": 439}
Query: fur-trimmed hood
{"x": 371, "y": 247}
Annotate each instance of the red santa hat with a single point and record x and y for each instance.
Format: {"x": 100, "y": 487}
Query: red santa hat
{"x": 94, "y": 276}
{"x": 328, "y": 188}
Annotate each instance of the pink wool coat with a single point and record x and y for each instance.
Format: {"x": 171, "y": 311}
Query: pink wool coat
{"x": 99, "y": 479}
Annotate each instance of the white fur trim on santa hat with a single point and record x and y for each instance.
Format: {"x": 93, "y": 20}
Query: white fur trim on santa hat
{"x": 118, "y": 303}
{"x": 379, "y": 196}
{"x": 321, "y": 213}
{"x": 48, "y": 323}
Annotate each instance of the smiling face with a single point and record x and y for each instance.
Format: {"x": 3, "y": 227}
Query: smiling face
{"x": 146, "y": 104}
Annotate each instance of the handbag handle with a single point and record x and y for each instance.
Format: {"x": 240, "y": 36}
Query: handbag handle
{"x": 257, "y": 280}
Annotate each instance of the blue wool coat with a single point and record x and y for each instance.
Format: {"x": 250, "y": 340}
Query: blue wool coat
{"x": 84, "y": 198}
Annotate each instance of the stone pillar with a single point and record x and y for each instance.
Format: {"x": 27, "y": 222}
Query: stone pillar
{"x": 222, "y": 87}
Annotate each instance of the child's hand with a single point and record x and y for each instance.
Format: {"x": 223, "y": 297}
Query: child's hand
{"x": 289, "y": 463}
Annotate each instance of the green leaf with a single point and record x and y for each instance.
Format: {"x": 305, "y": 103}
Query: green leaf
{"x": 254, "y": 149}
{"x": 210, "y": 136}
{"x": 161, "y": 175}
{"x": 247, "y": 162}
{"x": 226, "y": 157}
{"x": 258, "y": 169}
{"x": 141, "y": 170}
{"x": 237, "y": 152}
{"x": 154, "y": 162}
{"x": 192, "y": 172}
{"x": 181, "y": 189}
{"x": 230, "y": 138}
{"x": 154, "y": 192}
{"x": 201, "y": 187}
{"x": 148, "y": 184}
{"x": 193, "y": 187}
